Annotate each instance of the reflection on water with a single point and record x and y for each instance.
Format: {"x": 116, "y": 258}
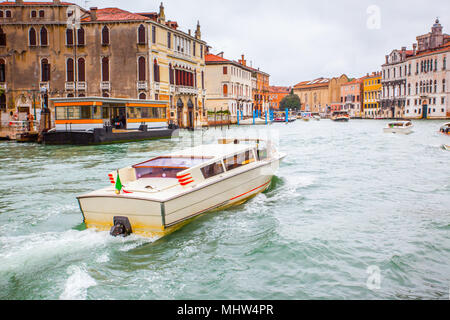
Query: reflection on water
{"x": 346, "y": 198}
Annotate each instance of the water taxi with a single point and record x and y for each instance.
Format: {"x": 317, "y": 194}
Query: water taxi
{"x": 256, "y": 121}
{"x": 100, "y": 120}
{"x": 402, "y": 127}
{"x": 160, "y": 195}
{"x": 445, "y": 129}
{"x": 340, "y": 116}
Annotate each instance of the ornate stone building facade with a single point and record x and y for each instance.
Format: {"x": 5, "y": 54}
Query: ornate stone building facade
{"x": 57, "y": 49}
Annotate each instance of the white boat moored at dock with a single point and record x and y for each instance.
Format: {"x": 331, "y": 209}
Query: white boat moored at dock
{"x": 157, "y": 196}
{"x": 402, "y": 127}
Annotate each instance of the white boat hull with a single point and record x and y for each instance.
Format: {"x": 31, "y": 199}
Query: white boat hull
{"x": 398, "y": 130}
{"x": 158, "y": 218}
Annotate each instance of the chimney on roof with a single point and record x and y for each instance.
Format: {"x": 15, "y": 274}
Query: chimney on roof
{"x": 189, "y": 31}
{"x": 403, "y": 53}
{"x": 220, "y": 54}
{"x": 93, "y": 13}
{"x": 242, "y": 61}
{"x": 54, "y": 1}
{"x": 414, "y": 48}
{"x": 161, "y": 15}
{"x": 198, "y": 34}
{"x": 19, "y": 1}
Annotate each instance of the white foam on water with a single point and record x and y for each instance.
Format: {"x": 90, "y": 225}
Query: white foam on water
{"x": 17, "y": 252}
{"x": 77, "y": 284}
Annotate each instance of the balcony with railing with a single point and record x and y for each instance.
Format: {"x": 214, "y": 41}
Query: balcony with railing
{"x": 81, "y": 85}
{"x": 105, "y": 85}
{"x": 142, "y": 85}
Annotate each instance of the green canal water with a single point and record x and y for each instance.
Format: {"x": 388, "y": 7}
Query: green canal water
{"x": 352, "y": 213}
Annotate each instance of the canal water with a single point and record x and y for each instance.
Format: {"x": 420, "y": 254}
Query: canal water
{"x": 352, "y": 213}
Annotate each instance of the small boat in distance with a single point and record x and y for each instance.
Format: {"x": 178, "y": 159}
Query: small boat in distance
{"x": 445, "y": 129}
{"x": 258, "y": 121}
{"x": 160, "y": 195}
{"x": 402, "y": 127}
{"x": 340, "y": 116}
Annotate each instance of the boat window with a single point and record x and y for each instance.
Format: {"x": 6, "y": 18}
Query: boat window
{"x": 239, "y": 160}
{"x": 85, "y": 112}
{"x": 157, "y": 172}
{"x": 73, "y": 113}
{"x": 97, "y": 112}
{"x": 174, "y": 162}
{"x": 212, "y": 170}
{"x": 146, "y": 113}
{"x": 60, "y": 113}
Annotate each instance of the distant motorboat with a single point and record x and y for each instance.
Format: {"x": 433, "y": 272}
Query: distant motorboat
{"x": 258, "y": 121}
{"x": 317, "y": 118}
{"x": 446, "y": 147}
{"x": 402, "y": 127}
{"x": 340, "y": 116}
{"x": 445, "y": 129}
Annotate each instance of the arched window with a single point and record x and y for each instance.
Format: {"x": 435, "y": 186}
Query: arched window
{"x": 32, "y": 36}
{"x": 44, "y": 38}
{"x": 45, "y": 70}
{"x": 105, "y": 69}
{"x": 225, "y": 90}
{"x": 141, "y": 69}
{"x": 2, "y": 102}
{"x": 171, "y": 78}
{"x": 69, "y": 37}
{"x": 142, "y": 96}
{"x": 105, "y": 35}
{"x": 69, "y": 70}
{"x": 2, "y": 71}
{"x": 81, "y": 70}
{"x": 2, "y": 38}
{"x": 80, "y": 37}
{"x": 70, "y": 95}
{"x": 141, "y": 34}
{"x": 155, "y": 71}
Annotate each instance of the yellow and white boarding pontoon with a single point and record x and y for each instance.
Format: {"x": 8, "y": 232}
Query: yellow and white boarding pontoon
{"x": 158, "y": 196}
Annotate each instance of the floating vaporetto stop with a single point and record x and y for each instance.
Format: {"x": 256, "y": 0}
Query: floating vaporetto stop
{"x": 158, "y": 196}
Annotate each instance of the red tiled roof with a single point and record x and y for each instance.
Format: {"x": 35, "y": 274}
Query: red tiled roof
{"x": 443, "y": 48}
{"x": 29, "y": 3}
{"x": 115, "y": 14}
{"x": 214, "y": 58}
{"x": 276, "y": 89}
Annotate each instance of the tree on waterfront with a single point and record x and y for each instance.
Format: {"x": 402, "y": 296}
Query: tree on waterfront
{"x": 291, "y": 101}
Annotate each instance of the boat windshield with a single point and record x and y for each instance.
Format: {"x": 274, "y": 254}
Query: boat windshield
{"x": 167, "y": 167}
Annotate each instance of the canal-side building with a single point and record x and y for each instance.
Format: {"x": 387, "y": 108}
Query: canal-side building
{"x": 322, "y": 95}
{"x": 110, "y": 53}
{"x": 351, "y": 95}
{"x": 394, "y": 75}
{"x": 260, "y": 89}
{"x": 428, "y": 91}
{"x": 276, "y": 94}
{"x": 371, "y": 95}
{"x": 228, "y": 85}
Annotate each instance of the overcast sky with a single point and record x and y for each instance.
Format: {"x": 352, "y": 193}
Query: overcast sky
{"x": 297, "y": 40}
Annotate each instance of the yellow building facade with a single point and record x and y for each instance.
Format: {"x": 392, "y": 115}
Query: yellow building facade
{"x": 371, "y": 95}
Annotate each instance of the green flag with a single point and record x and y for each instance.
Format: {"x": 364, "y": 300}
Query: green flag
{"x": 118, "y": 184}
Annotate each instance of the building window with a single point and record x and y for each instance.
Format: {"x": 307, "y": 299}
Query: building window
{"x": 225, "y": 70}
{"x": 225, "y": 90}
{"x": 169, "y": 40}
{"x": 203, "y": 80}
{"x": 81, "y": 70}
{"x": 201, "y": 51}
{"x": 442, "y": 100}
{"x": 33, "y": 14}
{"x": 69, "y": 70}
{"x": 2, "y": 71}
{"x": 443, "y": 85}
{"x": 155, "y": 71}
{"x": 69, "y": 37}
{"x": 141, "y": 34}
{"x": 41, "y": 14}
{"x": 171, "y": 78}
{"x": 1, "y": 14}
{"x": 141, "y": 69}
{"x": 2, "y": 38}
{"x": 142, "y": 96}
{"x": 194, "y": 48}
{"x": 80, "y": 37}
{"x": 32, "y": 36}
{"x": 8, "y": 14}
{"x": 45, "y": 70}
{"x": 153, "y": 34}
{"x": 105, "y": 69}
{"x": 44, "y": 38}
{"x": 105, "y": 36}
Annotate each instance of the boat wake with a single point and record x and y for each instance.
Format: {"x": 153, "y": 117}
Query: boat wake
{"x": 77, "y": 284}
